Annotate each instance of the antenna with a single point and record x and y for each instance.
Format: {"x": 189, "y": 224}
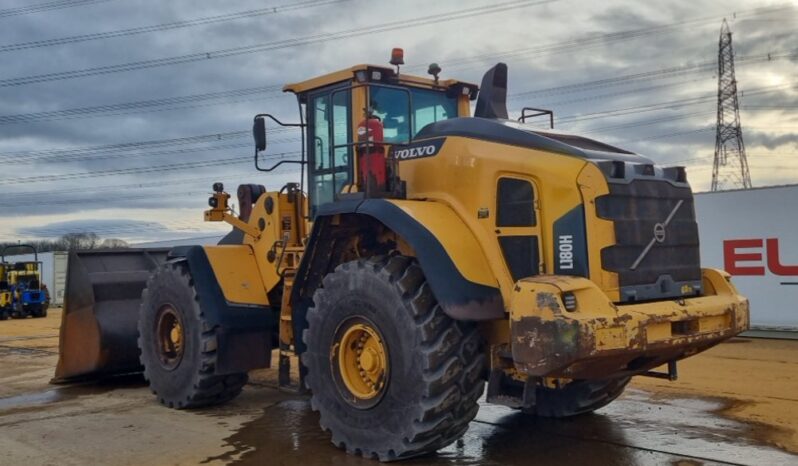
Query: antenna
{"x": 730, "y": 168}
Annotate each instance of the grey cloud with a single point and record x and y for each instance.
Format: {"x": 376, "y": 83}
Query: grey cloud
{"x": 444, "y": 43}
{"x": 771, "y": 141}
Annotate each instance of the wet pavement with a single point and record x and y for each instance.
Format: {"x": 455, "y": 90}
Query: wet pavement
{"x": 634, "y": 430}
{"x": 118, "y": 422}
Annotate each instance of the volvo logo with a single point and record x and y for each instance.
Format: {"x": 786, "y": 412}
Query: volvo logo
{"x": 427, "y": 148}
{"x": 659, "y": 232}
{"x": 659, "y": 235}
{"x": 415, "y": 152}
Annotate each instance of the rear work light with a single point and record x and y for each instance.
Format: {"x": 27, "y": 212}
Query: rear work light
{"x": 569, "y": 300}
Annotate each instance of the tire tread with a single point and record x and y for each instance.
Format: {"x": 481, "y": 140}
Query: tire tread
{"x": 449, "y": 352}
{"x": 208, "y": 389}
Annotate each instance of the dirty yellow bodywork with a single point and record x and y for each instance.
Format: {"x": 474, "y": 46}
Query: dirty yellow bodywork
{"x": 456, "y": 238}
{"x": 538, "y": 321}
{"x": 271, "y": 247}
{"x": 454, "y": 196}
{"x": 236, "y": 270}
{"x": 463, "y": 176}
{"x": 597, "y": 337}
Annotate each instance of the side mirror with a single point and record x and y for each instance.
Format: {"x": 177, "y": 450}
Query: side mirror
{"x": 259, "y": 133}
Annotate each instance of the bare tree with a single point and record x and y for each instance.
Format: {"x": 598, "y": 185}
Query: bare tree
{"x": 113, "y": 243}
{"x": 69, "y": 242}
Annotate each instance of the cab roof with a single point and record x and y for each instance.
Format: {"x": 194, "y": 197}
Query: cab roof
{"x": 349, "y": 74}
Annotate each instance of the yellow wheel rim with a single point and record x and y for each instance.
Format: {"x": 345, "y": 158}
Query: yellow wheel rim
{"x": 362, "y": 361}
{"x": 170, "y": 335}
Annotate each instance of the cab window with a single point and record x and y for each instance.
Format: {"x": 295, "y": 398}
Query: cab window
{"x": 392, "y": 106}
{"x": 329, "y": 145}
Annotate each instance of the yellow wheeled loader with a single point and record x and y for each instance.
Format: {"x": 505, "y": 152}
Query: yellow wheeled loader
{"x": 21, "y": 292}
{"x": 432, "y": 253}
{"x": 5, "y": 293}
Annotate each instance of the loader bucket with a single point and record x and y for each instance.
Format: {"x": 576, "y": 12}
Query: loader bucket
{"x": 99, "y": 322}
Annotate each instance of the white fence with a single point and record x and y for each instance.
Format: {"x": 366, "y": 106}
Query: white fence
{"x": 753, "y": 234}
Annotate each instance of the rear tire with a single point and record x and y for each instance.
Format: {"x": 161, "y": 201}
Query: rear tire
{"x": 433, "y": 375}
{"x": 177, "y": 345}
{"x": 578, "y": 397}
{"x": 18, "y": 311}
{"x": 38, "y": 311}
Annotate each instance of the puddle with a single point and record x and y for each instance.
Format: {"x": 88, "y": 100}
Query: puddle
{"x": 697, "y": 426}
{"x": 31, "y": 401}
{"x": 633, "y": 430}
{"x": 22, "y": 351}
{"x": 286, "y": 433}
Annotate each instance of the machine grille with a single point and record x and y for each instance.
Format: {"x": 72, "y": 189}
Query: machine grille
{"x": 640, "y": 210}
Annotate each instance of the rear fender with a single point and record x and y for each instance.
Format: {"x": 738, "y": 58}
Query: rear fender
{"x": 450, "y": 256}
{"x": 233, "y": 302}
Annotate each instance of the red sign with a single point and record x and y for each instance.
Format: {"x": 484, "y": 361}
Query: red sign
{"x": 761, "y": 254}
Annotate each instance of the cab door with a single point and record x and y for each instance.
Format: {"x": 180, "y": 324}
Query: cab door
{"x": 517, "y": 226}
{"x": 329, "y": 144}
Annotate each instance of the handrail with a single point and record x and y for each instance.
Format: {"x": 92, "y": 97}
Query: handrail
{"x": 539, "y": 112}
{"x": 35, "y": 253}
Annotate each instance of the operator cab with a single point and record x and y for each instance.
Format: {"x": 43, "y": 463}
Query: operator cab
{"x": 353, "y": 120}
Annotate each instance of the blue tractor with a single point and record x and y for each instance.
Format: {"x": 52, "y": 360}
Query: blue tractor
{"x": 22, "y": 280}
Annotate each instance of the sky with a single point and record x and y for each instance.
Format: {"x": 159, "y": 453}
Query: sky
{"x": 117, "y": 116}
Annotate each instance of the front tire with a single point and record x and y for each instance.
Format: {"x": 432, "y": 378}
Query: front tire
{"x": 177, "y": 345}
{"x": 417, "y": 388}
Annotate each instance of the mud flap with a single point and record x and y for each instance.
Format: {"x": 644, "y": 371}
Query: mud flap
{"x": 245, "y": 332}
{"x": 98, "y": 325}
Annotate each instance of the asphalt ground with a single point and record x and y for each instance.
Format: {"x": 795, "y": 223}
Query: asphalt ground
{"x": 734, "y": 404}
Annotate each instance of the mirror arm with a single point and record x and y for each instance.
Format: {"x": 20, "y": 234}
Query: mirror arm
{"x": 258, "y": 167}
{"x": 264, "y": 115}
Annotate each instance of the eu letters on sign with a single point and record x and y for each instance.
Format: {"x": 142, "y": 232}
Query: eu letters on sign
{"x": 747, "y": 257}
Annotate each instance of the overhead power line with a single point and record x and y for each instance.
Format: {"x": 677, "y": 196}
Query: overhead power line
{"x": 670, "y": 135}
{"x": 649, "y": 122}
{"x": 243, "y": 95}
{"x": 281, "y": 44}
{"x": 125, "y": 146}
{"x": 167, "y": 26}
{"x": 139, "y": 170}
{"x": 40, "y": 7}
{"x": 101, "y": 151}
{"x": 135, "y": 145}
{"x": 137, "y": 105}
{"x": 125, "y": 171}
{"x": 667, "y": 105}
{"x": 599, "y": 39}
{"x": 624, "y": 92}
{"x": 126, "y": 155}
{"x": 115, "y": 231}
{"x": 91, "y": 190}
{"x": 651, "y": 75}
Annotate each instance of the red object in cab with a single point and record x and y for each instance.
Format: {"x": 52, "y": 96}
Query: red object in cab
{"x": 370, "y": 130}
{"x": 371, "y": 153}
